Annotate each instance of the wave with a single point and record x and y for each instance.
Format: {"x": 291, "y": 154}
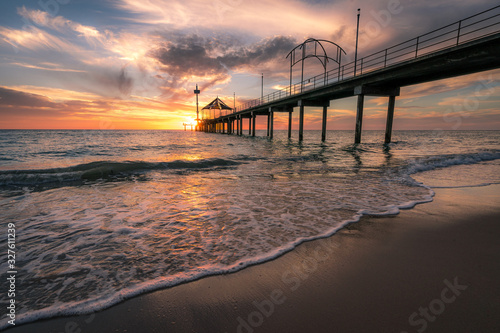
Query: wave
{"x": 442, "y": 161}
{"x": 90, "y": 306}
{"x": 103, "y": 169}
{"x": 468, "y": 186}
{"x": 106, "y": 170}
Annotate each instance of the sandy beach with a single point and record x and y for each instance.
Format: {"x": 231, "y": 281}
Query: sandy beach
{"x": 434, "y": 268}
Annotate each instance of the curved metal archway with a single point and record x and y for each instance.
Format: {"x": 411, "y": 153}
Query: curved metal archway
{"x": 322, "y": 57}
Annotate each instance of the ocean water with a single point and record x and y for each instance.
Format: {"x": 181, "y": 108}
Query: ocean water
{"x": 101, "y": 216}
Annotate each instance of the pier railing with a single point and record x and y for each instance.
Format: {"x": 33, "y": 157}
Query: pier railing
{"x": 466, "y": 30}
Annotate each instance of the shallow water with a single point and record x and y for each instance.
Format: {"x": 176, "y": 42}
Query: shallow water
{"x": 101, "y": 216}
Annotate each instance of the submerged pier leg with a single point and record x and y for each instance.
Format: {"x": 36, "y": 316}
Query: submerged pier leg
{"x": 390, "y": 116}
{"x": 323, "y": 126}
{"x": 268, "y": 122}
{"x": 271, "y": 123}
{"x": 359, "y": 118}
{"x": 253, "y": 123}
{"x": 290, "y": 124}
{"x": 301, "y": 123}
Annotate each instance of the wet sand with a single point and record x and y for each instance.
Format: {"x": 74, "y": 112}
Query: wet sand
{"x": 434, "y": 268}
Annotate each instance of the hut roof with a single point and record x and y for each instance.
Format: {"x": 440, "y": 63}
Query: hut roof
{"x": 217, "y": 104}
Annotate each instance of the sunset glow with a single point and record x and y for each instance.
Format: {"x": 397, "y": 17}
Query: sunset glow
{"x": 133, "y": 64}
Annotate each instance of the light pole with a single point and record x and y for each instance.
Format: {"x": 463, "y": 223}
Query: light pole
{"x": 197, "y": 92}
{"x": 262, "y": 89}
{"x": 356, "y": 52}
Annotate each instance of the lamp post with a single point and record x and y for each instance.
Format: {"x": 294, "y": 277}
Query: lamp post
{"x": 262, "y": 89}
{"x": 197, "y": 92}
{"x": 356, "y": 52}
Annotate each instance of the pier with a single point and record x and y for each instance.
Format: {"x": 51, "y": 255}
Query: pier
{"x": 468, "y": 46}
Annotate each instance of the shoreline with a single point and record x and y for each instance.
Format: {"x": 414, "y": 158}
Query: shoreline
{"x": 431, "y": 268}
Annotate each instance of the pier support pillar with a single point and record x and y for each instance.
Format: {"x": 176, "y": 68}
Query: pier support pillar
{"x": 268, "y": 122}
{"x": 290, "y": 123}
{"x": 359, "y": 118}
{"x": 250, "y": 125}
{"x": 271, "y": 123}
{"x": 302, "y": 104}
{"x": 323, "y": 126}
{"x": 301, "y": 123}
{"x": 253, "y": 123}
{"x": 363, "y": 91}
{"x": 390, "y": 116}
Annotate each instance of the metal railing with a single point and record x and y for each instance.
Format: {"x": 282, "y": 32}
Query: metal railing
{"x": 474, "y": 27}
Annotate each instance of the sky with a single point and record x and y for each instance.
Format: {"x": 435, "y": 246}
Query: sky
{"x": 134, "y": 64}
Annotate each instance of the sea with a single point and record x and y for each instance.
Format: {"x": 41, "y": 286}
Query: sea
{"x": 102, "y": 216}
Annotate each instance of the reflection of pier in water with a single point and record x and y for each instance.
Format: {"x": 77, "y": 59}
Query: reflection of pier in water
{"x": 468, "y": 46}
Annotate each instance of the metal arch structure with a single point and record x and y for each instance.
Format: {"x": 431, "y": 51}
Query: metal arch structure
{"x": 322, "y": 57}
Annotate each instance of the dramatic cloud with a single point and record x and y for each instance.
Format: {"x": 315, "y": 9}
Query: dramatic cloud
{"x": 198, "y": 56}
{"x": 137, "y": 62}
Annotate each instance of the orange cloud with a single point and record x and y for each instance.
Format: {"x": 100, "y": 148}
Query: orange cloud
{"x": 46, "y": 108}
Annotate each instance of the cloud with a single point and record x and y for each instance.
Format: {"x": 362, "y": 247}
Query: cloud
{"x": 59, "y": 23}
{"x": 48, "y": 67}
{"x": 260, "y": 17}
{"x": 40, "y": 107}
{"x": 481, "y": 81}
{"x": 15, "y": 98}
{"x": 198, "y": 56}
{"x": 34, "y": 39}
{"x": 144, "y": 60}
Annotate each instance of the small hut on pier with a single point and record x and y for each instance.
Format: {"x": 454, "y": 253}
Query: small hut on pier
{"x": 216, "y": 104}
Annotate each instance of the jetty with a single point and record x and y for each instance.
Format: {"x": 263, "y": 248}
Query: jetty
{"x": 464, "y": 47}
